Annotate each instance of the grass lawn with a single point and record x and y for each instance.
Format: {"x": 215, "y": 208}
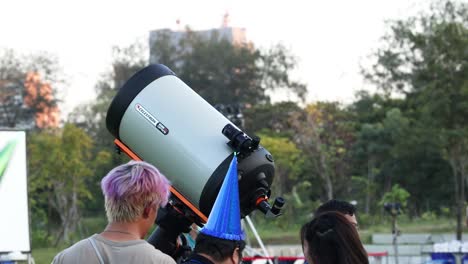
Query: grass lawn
{"x": 89, "y": 226}
{"x": 44, "y": 255}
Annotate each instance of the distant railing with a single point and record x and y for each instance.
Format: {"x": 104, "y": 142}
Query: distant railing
{"x": 377, "y": 257}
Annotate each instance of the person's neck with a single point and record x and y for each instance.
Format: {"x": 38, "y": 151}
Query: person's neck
{"x": 122, "y": 231}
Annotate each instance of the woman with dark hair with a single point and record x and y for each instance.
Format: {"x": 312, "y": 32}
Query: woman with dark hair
{"x": 331, "y": 239}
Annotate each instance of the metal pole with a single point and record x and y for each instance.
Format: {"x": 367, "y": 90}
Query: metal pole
{"x": 395, "y": 237}
{"x": 259, "y": 240}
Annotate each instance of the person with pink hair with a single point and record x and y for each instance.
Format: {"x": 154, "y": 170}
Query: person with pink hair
{"x": 133, "y": 193}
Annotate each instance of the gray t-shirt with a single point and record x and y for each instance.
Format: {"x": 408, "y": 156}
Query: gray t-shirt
{"x": 134, "y": 251}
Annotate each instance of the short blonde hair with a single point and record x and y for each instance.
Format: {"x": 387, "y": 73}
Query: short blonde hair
{"x": 131, "y": 187}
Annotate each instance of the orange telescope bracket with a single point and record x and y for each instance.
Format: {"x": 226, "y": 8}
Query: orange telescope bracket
{"x": 176, "y": 193}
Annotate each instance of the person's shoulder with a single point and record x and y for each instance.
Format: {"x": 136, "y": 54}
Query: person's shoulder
{"x": 58, "y": 259}
{"x": 164, "y": 258}
{"x": 70, "y": 251}
{"x": 157, "y": 255}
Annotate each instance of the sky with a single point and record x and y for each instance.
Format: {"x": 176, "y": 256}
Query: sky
{"x": 330, "y": 39}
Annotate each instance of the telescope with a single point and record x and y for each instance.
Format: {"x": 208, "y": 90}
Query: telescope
{"x": 157, "y": 118}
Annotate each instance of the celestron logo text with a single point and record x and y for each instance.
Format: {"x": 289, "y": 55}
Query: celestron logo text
{"x": 163, "y": 129}
{"x": 147, "y": 115}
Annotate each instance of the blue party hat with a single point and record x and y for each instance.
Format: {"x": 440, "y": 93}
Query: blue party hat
{"x": 224, "y": 219}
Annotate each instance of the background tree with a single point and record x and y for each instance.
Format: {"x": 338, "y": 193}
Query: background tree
{"x": 425, "y": 59}
{"x": 25, "y": 88}
{"x": 374, "y": 150}
{"x": 324, "y": 132}
{"x": 57, "y": 180}
{"x": 273, "y": 117}
{"x": 393, "y": 146}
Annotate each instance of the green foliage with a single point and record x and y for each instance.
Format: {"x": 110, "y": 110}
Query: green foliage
{"x": 324, "y": 132}
{"x": 271, "y": 118}
{"x": 396, "y": 195}
{"x": 45, "y": 255}
{"x": 425, "y": 60}
{"x": 58, "y": 181}
{"x": 445, "y": 211}
{"x": 93, "y": 225}
{"x": 288, "y": 161}
{"x": 429, "y": 216}
{"x": 365, "y": 220}
{"x": 40, "y": 238}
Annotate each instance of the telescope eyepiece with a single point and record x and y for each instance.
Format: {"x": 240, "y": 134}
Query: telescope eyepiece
{"x": 277, "y": 205}
{"x": 271, "y": 211}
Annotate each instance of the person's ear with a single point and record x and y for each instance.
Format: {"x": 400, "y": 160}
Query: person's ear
{"x": 146, "y": 212}
{"x": 235, "y": 256}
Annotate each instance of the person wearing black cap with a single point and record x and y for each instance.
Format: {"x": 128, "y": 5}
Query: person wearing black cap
{"x": 347, "y": 209}
{"x": 222, "y": 240}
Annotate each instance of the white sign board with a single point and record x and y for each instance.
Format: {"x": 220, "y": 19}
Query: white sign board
{"x": 14, "y": 220}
